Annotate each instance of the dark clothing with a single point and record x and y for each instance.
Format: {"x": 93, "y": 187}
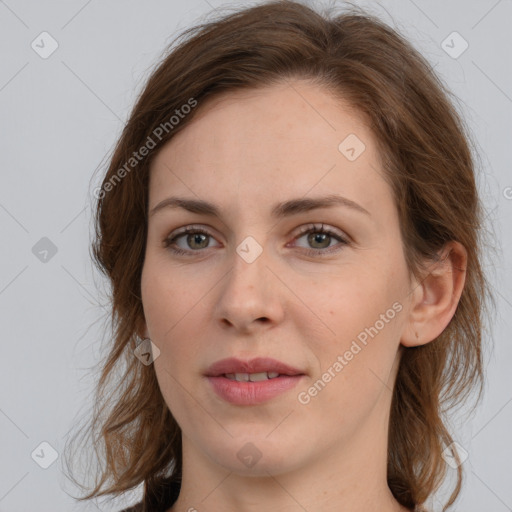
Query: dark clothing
{"x": 164, "y": 503}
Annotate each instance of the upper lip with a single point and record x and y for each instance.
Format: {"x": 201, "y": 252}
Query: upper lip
{"x": 256, "y": 365}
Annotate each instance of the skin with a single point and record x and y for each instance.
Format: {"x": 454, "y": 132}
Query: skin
{"x": 245, "y": 152}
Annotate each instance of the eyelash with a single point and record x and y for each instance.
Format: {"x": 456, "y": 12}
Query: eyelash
{"x": 311, "y": 228}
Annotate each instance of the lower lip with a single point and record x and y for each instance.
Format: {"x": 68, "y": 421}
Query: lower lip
{"x": 252, "y": 393}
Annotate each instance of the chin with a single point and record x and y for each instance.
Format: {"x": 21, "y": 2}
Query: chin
{"x": 256, "y": 455}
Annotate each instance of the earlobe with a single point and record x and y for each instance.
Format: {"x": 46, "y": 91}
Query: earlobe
{"x": 436, "y": 296}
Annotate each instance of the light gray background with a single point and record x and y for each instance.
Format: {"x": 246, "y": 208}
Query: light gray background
{"x": 59, "y": 118}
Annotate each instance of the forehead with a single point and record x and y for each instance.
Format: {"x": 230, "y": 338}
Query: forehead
{"x": 289, "y": 139}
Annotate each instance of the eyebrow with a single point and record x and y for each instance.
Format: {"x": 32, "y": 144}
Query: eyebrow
{"x": 280, "y": 210}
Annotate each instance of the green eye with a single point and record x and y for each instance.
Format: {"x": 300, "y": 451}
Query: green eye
{"x": 197, "y": 239}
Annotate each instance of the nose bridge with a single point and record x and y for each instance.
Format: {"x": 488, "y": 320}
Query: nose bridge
{"x": 250, "y": 289}
{"x": 249, "y": 268}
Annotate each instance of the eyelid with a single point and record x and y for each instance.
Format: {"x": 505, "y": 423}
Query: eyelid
{"x": 343, "y": 239}
{"x": 322, "y": 227}
{"x": 191, "y": 228}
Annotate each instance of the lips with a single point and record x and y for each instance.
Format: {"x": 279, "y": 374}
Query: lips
{"x": 233, "y": 365}
{"x": 253, "y": 382}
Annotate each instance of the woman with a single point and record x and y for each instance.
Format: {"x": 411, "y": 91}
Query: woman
{"x": 291, "y": 228}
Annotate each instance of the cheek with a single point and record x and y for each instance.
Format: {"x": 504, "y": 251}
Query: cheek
{"x": 355, "y": 363}
{"x": 175, "y": 310}
{"x": 171, "y": 310}
{"x": 348, "y": 300}
{"x": 166, "y": 297}
{"x": 362, "y": 315}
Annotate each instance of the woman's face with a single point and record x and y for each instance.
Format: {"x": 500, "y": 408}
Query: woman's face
{"x": 330, "y": 304}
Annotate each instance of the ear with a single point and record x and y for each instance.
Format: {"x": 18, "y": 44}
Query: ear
{"x": 435, "y": 297}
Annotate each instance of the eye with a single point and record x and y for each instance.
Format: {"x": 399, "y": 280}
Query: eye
{"x": 320, "y": 238}
{"x": 195, "y": 237}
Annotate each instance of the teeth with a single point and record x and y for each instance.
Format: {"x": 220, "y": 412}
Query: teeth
{"x": 256, "y": 377}
{"x": 252, "y": 377}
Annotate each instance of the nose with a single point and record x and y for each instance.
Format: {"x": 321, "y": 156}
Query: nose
{"x": 250, "y": 296}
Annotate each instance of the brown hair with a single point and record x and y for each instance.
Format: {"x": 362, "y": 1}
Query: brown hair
{"x": 425, "y": 148}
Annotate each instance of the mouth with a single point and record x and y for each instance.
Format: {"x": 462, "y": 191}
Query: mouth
{"x": 251, "y": 377}
{"x": 254, "y": 370}
{"x": 251, "y": 382}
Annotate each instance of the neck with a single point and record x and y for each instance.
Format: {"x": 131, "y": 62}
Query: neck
{"x": 347, "y": 477}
